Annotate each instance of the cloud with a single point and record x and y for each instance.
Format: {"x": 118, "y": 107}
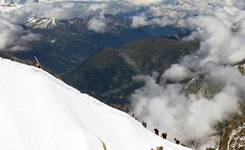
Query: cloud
{"x": 221, "y": 44}
{"x": 220, "y": 29}
{"x": 177, "y": 73}
{"x": 189, "y": 118}
{"x": 138, "y": 21}
{"x": 145, "y": 2}
{"x": 14, "y": 37}
{"x": 97, "y": 24}
{"x": 12, "y": 18}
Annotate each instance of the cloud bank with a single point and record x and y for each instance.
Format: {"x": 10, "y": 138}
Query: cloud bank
{"x": 14, "y": 37}
{"x": 139, "y": 12}
{"x": 192, "y": 117}
{"x": 177, "y": 73}
{"x": 189, "y": 118}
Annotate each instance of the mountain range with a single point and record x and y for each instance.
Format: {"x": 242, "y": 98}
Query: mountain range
{"x": 109, "y": 74}
{"x": 65, "y": 44}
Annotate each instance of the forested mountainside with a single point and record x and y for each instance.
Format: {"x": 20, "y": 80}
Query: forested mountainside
{"x": 110, "y": 74}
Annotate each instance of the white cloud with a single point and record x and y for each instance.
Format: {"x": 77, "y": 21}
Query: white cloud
{"x": 145, "y": 2}
{"x": 138, "y": 21}
{"x": 221, "y": 31}
{"x": 185, "y": 117}
{"x": 218, "y": 41}
{"x": 97, "y": 25}
{"x": 14, "y": 37}
{"x": 177, "y": 73}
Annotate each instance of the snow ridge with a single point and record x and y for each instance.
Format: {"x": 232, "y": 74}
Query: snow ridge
{"x": 40, "y": 112}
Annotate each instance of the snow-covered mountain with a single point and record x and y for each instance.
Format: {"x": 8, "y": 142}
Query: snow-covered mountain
{"x": 42, "y": 23}
{"x": 40, "y": 112}
{"x": 16, "y": 1}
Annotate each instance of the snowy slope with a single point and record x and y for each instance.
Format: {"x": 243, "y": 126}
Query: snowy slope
{"x": 40, "y": 112}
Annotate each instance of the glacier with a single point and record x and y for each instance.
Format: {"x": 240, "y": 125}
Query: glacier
{"x": 40, "y": 112}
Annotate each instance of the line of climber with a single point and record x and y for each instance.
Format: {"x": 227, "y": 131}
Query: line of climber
{"x": 156, "y": 131}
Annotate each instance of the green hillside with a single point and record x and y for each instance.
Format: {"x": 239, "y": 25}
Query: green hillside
{"x": 108, "y": 75}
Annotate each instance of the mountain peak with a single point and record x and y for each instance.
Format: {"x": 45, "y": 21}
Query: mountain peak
{"x": 41, "y": 23}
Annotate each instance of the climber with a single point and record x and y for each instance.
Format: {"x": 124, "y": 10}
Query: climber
{"x": 164, "y": 135}
{"x": 156, "y": 131}
{"x": 144, "y": 124}
{"x": 159, "y": 148}
{"x": 37, "y": 64}
{"x": 134, "y": 116}
{"x": 176, "y": 141}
